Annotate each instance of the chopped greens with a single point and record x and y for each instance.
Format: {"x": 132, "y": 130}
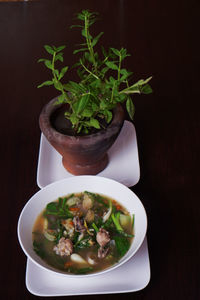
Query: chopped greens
{"x": 116, "y": 218}
{"x": 83, "y": 243}
{"x": 133, "y": 221}
{"x": 59, "y": 208}
{"x": 95, "y": 227}
{"x": 83, "y": 270}
{"x": 122, "y": 245}
{"x": 38, "y": 248}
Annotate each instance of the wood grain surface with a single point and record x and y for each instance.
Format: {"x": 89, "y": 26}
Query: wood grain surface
{"x": 163, "y": 38}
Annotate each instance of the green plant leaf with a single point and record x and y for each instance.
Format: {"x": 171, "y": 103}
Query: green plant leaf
{"x": 123, "y": 53}
{"x": 137, "y": 87}
{"x": 87, "y": 113}
{"x": 41, "y": 60}
{"x": 58, "y": 85}
{"x": 108, "y": 115}
{"x": 57, "y": 73}
{"x": 46, "y": 83}
{"x": 67, "y": 114}
{"x": 74, "y": 119}
{"x": 93, "y": 123}
{"x": 88, "y": 57}
{"x": 104, "y": 70}
{"x": 54, "y": 48}
{"x": 146, "y": 89}
{"x": 59, "y": 57}
{"x": 80, "y": 73}
{"x": 104, "y": 51}
{"x": 125, "y": 74}
{"x": 80, "y": 50}
{"x": 115, "y": 51}
{"x": 103, "y": 104}
{"x": 86, "y": 34}
{"x": 95, "y": 40}
{"x": 80, "y": 126}
{"x": 112, "y": 65}
{"x": 95, "y": 107}
{"x": 112, "y": 80}
{"x": 130, "y": 107}
{"x": 61, "y": 99}
{"x": 122, "y": 97}
{"x": 74, "y": 88}
{"x": 76, "y": 26}
{"x": 82, "y": 44}
{"x": 135, "y": 90}
{"x": 81, "y": 16}
{"x": 48, "y": 64}
{"x": 60, "y": 48}
{"x": 95, "y": 84}
{"x": 49, "y": 49}
{"x": 62, "y": 72}
{"x": 82, "y": 103}
{"x": 141, "y": 82}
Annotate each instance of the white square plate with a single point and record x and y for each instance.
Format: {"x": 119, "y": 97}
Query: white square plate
{"x": 123, "y": 160}
{"x": 132, "y": 276}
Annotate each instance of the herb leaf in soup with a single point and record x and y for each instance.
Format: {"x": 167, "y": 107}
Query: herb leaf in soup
{"x": 59, "y": 208}
{"x": 52, "y": 208}
{"x": 116, "y": 221}
{"x": 38, "y": 248}
{"x": 122, "y": 245}
{"x": 93, "y": 227}
{"x": 84, "y": 270}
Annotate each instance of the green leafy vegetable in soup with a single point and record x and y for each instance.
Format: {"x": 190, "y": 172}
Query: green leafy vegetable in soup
{"x": 83, "y": 233}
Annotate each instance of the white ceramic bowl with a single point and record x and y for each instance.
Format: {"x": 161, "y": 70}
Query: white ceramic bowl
{"x": 78, "y": 184}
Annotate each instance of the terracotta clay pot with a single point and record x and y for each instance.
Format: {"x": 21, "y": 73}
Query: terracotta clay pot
{"x": 82, "y": 155}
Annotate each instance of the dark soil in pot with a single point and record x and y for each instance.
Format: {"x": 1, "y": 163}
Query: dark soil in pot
{"x": 82, "y": 155}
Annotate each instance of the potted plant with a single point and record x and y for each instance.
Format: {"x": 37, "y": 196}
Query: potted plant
{"x": 83, "y": 122}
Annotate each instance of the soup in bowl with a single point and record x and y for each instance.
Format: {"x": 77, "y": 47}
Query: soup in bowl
{"x": 82, "y": 226}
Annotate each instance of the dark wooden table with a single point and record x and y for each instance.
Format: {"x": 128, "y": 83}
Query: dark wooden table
{"x": 162, "y": 37}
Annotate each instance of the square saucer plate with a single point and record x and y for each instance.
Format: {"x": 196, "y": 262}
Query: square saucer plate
{"x": 123, "y": 160}
{"x": 132, "y": 276}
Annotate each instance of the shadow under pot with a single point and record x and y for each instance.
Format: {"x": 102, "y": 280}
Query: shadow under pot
{"x": 81, "y": 154}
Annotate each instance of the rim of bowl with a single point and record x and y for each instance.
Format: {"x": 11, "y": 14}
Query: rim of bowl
{"x": 60, "y": 273}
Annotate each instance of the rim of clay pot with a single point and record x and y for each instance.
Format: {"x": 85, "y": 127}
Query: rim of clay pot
{"x": 50, "y": 108}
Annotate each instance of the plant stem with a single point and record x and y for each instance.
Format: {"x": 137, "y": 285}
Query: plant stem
{"x": 86, "y": 69}
{"x": 88, "y": 40}
{"x": 119, "y": 69}
{"x": 53, "y": 66}
{"x": 57, "y": 80}
{"x": 112, "y": 92}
